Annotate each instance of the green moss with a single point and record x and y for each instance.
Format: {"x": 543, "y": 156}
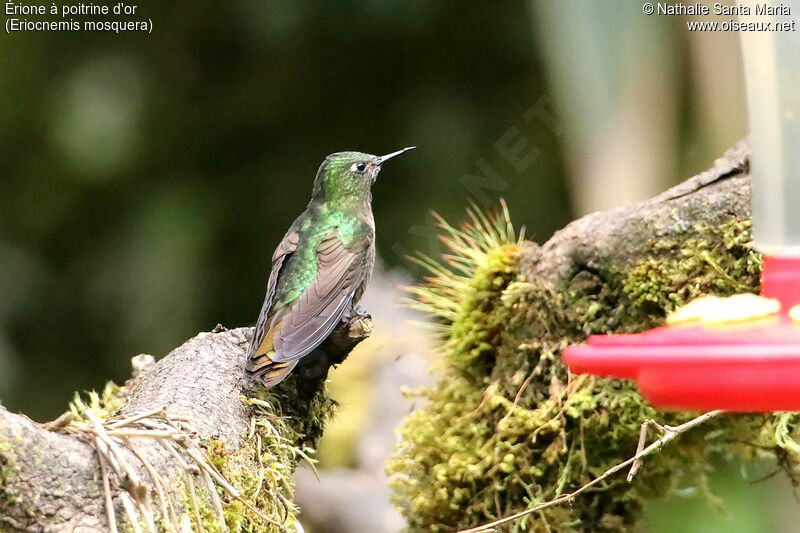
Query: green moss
{"x": 286, "y": 423}
{"x": 203, "y": 511}
{"x": 103, "y": 405}
{"x": 283, "y": 432}
{"x": 507, "y": 426}
{"x": 716, "y": 260}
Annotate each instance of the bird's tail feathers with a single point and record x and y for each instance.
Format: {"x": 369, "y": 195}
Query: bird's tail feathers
{"x": 266, "y": 372}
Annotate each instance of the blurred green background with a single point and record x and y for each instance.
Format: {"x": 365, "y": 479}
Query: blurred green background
{"x": 146, "y": 179}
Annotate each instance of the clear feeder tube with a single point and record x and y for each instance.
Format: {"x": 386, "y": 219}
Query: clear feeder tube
{"x": 772, "y": 71}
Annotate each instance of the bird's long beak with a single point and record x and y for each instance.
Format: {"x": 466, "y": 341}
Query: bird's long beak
{"x": 382, "y": 159}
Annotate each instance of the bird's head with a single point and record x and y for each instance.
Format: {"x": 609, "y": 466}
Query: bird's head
{"x": 346, "y": 177}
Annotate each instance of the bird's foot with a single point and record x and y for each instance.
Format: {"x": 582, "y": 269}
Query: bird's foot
{"x": 357, "y": 323}
{"x": 357, "y": 312}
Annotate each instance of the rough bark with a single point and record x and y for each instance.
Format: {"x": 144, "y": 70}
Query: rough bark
{"x": 51, "y": 480}
{"x": 623, "y": 236}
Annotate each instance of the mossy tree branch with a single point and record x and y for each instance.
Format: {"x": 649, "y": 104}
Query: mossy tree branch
{"x": 173, "y": 469}
{"x": 507, "y": 428}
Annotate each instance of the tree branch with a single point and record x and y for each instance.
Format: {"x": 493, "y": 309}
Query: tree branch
{"x": 616, "y": 271}
{"x": 142, "y": 453}
{"x": 624, "y": 236}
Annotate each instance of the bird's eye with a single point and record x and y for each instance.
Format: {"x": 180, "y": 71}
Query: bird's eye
{"x": 361, "y": 167}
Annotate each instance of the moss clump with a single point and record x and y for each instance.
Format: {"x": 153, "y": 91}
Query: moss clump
{"x": 283, "y": 432}
{"x": 508, "y": 427}
{"x": 715, "y": 260}
{"x": 202, "y": 511}
{"x": 103, "y": 405}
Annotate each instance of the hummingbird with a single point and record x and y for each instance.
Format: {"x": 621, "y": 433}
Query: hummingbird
{"x": 321, "y": 267}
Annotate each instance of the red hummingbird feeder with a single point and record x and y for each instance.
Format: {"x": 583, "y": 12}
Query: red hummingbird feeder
{"x": 740, "y": 353}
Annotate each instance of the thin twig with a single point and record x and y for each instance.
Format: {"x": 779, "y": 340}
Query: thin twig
{"x": 519, "y": 395}
{"x": 193, "y": 493}
{"x": 668, "y": 436}
{"x": 568, "y": 390}
{"x": 488, "y": 393}
{"x": 167, "y": 511}
{"x": 59, "y": 423}
{"x": 102, "y": 449}
{"x": 128, "y": 478}
{"x": 196, "y": 468}
{"x": 147, "y": 433}
{"x": 260, "y": 468}
{"x": 637, "y": 464}
{"x": 212, "y": 492}
{"x": 130, "y": 511}
{"x": 206, "y": 467}
{"x": 116, "y": 424}
{"x": 174, "y": 434}
{"x": 170, "y": 446}
{"x": 112, "y": 519}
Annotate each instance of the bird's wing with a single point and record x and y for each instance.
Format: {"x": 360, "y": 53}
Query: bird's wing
{"x": 314, "y": 314}
{"x": 257, "y": 343}
{"x": 284, "y": 336}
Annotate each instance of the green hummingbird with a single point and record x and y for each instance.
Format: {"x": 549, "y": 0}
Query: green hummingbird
{"x": 321, "y": 267}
